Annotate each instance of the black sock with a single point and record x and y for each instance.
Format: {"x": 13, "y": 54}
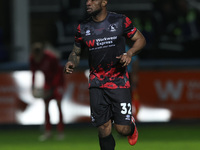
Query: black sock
{"x": 132, "y": 128}
{"x": 107, "y": 143}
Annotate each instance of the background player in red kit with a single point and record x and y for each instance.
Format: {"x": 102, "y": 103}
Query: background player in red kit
{"x": 104, "y": 35}
{"x": 47, "y": 62}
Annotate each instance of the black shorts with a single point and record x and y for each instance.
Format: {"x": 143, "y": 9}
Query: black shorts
{"x": 114, "y": 104}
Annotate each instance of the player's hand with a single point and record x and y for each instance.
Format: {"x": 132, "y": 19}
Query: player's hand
{"x": 48, "y": 94}
{"x": 37, "y": 93}
{"x": 124, "y": 59}
{"x": 69, "y": 67}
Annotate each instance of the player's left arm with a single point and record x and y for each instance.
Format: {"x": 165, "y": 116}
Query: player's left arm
{"x": 139, "y": 43}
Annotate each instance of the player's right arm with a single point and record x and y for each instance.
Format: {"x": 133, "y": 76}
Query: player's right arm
{"x": 74, "y": 56}
{"x": 73, "y": 60}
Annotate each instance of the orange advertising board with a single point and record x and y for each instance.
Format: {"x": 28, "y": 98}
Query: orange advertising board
{"x": 177, "y": 91}
{"x": 78, "y": 82}
{"x": 7, "y": 98}
{"x": 16, "y": 99}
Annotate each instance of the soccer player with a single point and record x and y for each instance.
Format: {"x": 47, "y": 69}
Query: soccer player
{"x": 104, "y": 35}
{"x": 47, "y": 62}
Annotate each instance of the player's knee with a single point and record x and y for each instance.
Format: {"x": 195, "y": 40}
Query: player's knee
{"x": 105, "y": 129}
{"x": 123, "y": 130}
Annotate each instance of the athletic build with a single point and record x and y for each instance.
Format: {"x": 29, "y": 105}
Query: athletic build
{"x": 104, "y": 34}
{"x": 105, "y": 41}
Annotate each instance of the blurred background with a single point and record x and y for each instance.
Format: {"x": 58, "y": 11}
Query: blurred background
{"x": 168, "y": 75}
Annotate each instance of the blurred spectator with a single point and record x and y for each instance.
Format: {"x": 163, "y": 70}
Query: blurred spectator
{"x": 47, "y": 62}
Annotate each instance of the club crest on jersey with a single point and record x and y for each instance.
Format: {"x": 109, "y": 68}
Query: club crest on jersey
{"x": 112, "y": 27}
{"x": 87, "y": 32}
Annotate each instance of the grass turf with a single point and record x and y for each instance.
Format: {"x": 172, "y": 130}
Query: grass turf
{"x": 151, "y": 137}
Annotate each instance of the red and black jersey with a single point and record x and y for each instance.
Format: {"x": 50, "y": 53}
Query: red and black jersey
{"x": 51, "y": 68}
{"x": 106, "y": 40}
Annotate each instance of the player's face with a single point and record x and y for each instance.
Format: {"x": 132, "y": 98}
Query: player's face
{"x": 94, "y": 6}
{"x": 37, "y": 52}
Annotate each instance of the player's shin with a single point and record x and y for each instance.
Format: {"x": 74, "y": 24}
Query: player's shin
{"x": 107, "y": 143}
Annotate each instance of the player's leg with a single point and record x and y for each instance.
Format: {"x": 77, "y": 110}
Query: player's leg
{"x": 128, "y": 130}
{"x": 124, "y": 130}
{"x": 122, "y": 110}
{"x": 106, "y": 140}
{"x": 60, "y": 123}
{"x": 101, "y": 114}
{"x": 57, "y": 94}
{"x": 60, "y": 126}
{"x": 47, "y": 125}
{"x": 47, "y": 116}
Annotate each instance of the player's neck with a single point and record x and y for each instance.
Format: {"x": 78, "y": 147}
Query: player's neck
{"x": 38, "y": 59}
{"x": 100, "y": 16}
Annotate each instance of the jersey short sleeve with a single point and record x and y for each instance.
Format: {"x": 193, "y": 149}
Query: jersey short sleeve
{"x": 129, "y": 29}
{"x": 78, "y": 36}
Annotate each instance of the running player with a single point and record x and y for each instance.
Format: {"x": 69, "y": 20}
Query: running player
{"x": 48, "y": 63}
{"x": 104, "y": 34}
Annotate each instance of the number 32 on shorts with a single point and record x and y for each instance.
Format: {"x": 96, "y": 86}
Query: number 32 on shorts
{"x": 126, "y": 108}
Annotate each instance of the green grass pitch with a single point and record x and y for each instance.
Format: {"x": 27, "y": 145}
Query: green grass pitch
{"x": 151, "y": 137}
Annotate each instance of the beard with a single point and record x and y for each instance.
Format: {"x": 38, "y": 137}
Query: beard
{"x": 95, "y": 13}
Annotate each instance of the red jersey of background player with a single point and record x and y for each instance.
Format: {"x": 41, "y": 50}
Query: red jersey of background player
{"x": 51, "y": 68}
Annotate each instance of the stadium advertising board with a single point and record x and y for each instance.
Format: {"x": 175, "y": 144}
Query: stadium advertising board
{"x": 7, "y": 98}
{"x": 163, "y": 96}
{"x": 176, "y": 91}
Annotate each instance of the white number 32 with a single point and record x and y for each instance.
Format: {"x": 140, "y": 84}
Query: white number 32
{"x": 126, "y": 108}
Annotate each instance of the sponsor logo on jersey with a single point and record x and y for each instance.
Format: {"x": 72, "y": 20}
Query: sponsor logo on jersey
{"x": 90, "y": 43}
{"x": 87, "y": 33}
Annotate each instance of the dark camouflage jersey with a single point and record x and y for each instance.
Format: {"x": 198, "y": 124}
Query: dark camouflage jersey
{"x": 106, "y": 40}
